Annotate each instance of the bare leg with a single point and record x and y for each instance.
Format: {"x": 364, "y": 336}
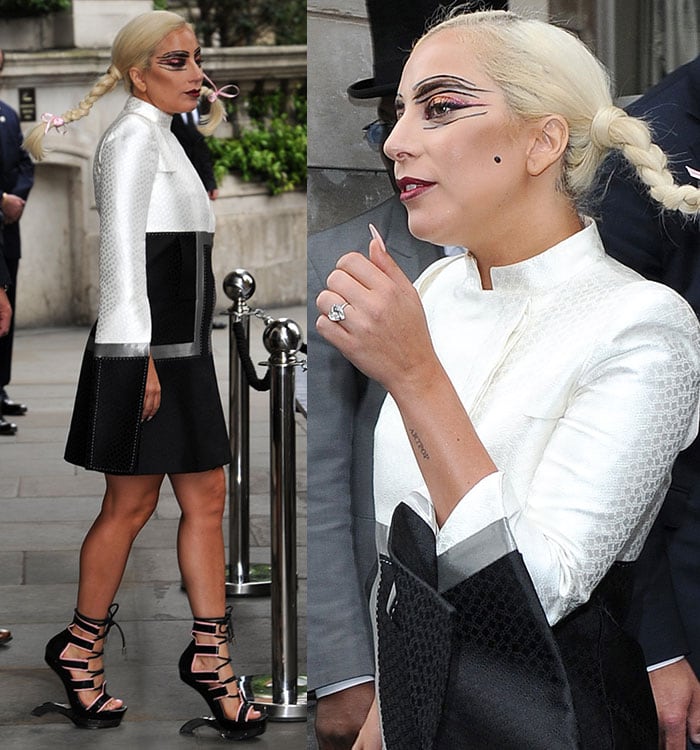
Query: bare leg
{"x": 128, "y": 503}
{"x": 200, "y": 539}
{"x": 200, "y": 547}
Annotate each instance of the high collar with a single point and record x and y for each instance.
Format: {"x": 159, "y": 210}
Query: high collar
{"x": 548, "y": 269}
{"x": 147, "y": 110}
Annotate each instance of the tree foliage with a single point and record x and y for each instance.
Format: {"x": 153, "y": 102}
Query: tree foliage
{"x": 248, "y": 22}
{"x": 27, "y": 8}
{"x": 272, "y": 149}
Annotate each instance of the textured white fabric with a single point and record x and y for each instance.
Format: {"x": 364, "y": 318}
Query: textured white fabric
{"x": 144, "y": 182}
{"x": 582, "y": 381}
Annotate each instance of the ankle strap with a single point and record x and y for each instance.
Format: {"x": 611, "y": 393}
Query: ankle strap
{"x": 221, "y": 626}
{"x": 99, "y": 629}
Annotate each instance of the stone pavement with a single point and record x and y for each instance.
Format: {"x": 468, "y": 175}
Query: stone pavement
{"x": 47, "y": 505}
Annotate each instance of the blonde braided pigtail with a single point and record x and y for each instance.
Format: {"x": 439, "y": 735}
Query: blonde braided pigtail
{"x": 614, "y": 128}
{"x": 34, "y": 140}
{"x": 217, "y": 113}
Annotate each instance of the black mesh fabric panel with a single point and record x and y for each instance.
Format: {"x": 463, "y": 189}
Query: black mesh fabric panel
{"x": 479, "y": 667}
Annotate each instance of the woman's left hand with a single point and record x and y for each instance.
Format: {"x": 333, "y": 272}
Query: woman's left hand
{"x": 151, "y": 397}
{"x": 384, "y": 332}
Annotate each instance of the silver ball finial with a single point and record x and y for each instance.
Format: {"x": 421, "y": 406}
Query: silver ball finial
{"x": 239, "y": 285}
{"x": 282, "y": 336}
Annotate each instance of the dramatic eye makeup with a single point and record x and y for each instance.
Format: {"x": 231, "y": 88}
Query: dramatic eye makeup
{"x": 177, "y": 59}
{"x": 446, "y": 99}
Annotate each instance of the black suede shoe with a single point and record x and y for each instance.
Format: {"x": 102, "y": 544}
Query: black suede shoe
{"x": 7, "y": 428}
{"x": 11, "y": 408}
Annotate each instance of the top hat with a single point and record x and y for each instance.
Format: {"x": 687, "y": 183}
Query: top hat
{"x": 395, "y": 25}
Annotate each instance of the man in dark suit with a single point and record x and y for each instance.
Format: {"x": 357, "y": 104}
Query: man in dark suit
{"x": 16, "y": 180}
{"x": 666, "y": 248}
{"x": 343, "y": 409}
{"x": 184, "y": 127}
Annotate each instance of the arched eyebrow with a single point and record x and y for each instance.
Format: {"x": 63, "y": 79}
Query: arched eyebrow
{"x": 177, "y": 54}
{"x": 446, "y": 83}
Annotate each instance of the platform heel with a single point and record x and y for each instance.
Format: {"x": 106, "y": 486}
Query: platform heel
{"x": 211, "y": 687}
{"x": 93, "y": 715}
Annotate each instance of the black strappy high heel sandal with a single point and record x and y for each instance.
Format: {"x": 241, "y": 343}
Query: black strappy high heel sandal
{"x": 93, "y": 715}
{"x": 211, "y": 687}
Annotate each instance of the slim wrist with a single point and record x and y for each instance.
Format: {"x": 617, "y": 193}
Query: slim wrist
{"x": 416, "y": 379}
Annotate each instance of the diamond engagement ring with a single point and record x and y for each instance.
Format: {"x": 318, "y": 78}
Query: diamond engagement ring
{"x": 337, "y": 312}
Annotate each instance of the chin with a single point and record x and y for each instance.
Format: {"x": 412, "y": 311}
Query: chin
{"x": 428, "y": 230}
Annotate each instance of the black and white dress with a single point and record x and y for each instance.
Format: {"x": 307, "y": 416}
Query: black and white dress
{"x": 156, "y": 298}
{"x": 502, "y": 627}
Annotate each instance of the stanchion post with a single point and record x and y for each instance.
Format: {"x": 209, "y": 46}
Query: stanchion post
{"x": 243, "y": 580}
{"x": 284, "y": 694}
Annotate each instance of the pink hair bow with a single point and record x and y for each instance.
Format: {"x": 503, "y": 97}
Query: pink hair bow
{"x": 693, "y": 173}
{"x": 52, "y": 121}
{"x": 220, "y": 92}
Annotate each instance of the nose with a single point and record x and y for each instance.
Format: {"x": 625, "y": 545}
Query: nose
{"x": 396, "y": 146}
{"x": 195, "y": 71}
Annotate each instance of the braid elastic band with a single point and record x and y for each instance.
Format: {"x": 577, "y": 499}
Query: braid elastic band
{"x": 53, "y": 121}
{"x": 216, "y": 93}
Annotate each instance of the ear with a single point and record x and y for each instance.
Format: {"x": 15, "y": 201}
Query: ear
{"x": 550, "y": 137}
{"x": 137, "y": 79}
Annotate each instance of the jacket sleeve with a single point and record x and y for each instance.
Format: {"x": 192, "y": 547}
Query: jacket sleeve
{"x": 4, "y": 273}
{"x": 18, "y": 170}
{"x": 25, "y": 173}
{"x": 337, "y": 606}
{"x": 663, "y": 247}
{"x": 125, "y": 170}
{"x": 606, "y": 467}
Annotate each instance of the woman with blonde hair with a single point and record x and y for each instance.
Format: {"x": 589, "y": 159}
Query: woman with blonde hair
{"x": 147, "y": 402}
{"x": 539, "y": 393}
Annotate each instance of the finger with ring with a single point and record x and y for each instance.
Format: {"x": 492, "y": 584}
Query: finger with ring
{"x": 337, "y": 312}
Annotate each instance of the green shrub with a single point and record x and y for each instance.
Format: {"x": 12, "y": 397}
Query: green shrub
{"x": 272, "y": 149}
{"x": 26, "y": 8}
{"x": 246, "y": 22}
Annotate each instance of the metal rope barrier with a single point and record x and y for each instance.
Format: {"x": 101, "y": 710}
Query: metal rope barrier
{"x": 242, "y": 343}
{"x": 283, "y": 693}
{"x": 243, "y": 579}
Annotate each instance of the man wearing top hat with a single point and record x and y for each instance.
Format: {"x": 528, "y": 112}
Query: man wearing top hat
{"x": 342, "y": 415}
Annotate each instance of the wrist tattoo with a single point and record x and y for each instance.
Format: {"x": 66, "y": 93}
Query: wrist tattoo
{"x": 419, "y": 444}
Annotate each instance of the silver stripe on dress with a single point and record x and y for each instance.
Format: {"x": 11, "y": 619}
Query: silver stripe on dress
{"x": 120, "y": 351}
{"x": 474, "y": 554}
{"x": 467, "y": 557}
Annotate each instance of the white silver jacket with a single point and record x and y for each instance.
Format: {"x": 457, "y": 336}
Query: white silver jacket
{"x": 144, "y": 182}
{"x": 582, "y": 381}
